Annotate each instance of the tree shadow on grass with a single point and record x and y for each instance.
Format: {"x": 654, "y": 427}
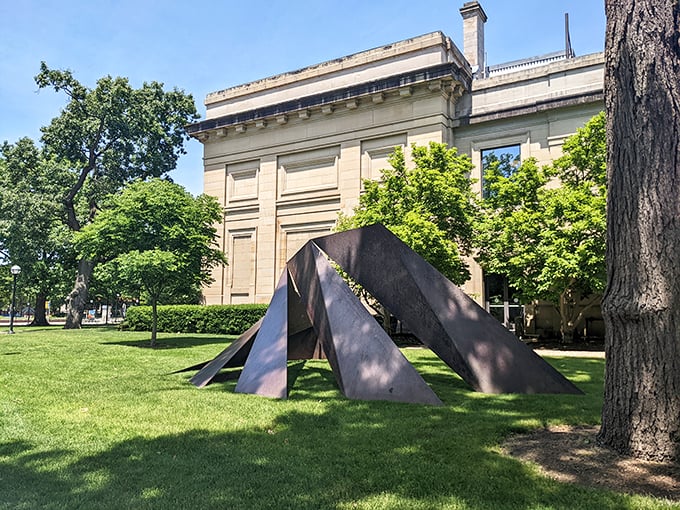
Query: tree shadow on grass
{"x": 174, "y": 342}
{"x": 350, "y": 454}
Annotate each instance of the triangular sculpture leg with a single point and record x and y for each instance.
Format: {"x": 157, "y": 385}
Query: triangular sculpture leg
{"x": 265, "y": 371}
{"x": 233, "y": 356}
{"x": 483, "y": 352}
{"x": 366, "y": 363}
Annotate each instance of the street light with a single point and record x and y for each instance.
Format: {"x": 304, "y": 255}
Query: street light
{"x": 15, "y": 270}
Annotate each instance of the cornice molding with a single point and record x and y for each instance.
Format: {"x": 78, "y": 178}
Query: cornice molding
{"x": 447, "y": 77}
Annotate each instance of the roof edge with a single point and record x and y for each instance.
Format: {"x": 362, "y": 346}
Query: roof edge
{"x": 347, "y": 62}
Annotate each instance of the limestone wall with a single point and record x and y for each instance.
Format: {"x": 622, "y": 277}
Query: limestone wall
{"x": 282, "y": 184}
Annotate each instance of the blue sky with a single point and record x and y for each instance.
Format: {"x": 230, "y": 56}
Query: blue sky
{"x": 211, "y": 45}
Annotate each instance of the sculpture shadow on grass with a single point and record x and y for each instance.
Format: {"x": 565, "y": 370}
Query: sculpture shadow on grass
{"x": 314, "y": 314}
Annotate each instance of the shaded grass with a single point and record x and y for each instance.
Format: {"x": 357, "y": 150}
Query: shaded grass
{"x": 89, "y": 420}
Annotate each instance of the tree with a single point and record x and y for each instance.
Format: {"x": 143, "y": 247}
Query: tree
{"x": 548, "y": 240}
{"x": 155, "y": 237}
{"x": 110, "y": 136}
{"x": 641, "y": 305}
{"x": 32, "y": 232}
{"x": 429, "y": 207}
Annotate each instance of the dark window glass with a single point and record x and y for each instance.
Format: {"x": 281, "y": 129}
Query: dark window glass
{"x": 501, "y": 300}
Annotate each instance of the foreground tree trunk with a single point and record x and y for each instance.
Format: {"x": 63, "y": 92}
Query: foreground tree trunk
{"x": 75, "y": 302}
{"x": 641, "y": 307}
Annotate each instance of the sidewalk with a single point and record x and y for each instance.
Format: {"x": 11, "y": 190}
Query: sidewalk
{"x": 24, "y": 321}
{"x": 569, "y": 354}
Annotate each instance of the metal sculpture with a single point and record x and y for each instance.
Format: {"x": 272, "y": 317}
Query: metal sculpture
{"x": 233, "y": 356}
{"x": 314, "y": 314}
{"x": 366, "y": 363}
{"x": 464, "y": 335}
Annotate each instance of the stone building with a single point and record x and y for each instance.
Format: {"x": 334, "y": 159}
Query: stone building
{"x": 285, "y": 154}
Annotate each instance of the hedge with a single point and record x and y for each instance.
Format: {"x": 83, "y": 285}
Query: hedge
{"x": 212, "y": 319}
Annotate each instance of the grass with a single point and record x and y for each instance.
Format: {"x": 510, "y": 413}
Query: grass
{"x": 91, "y": 419}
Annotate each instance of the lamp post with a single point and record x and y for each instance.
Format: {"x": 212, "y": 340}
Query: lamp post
{"x": 15, "y": 270}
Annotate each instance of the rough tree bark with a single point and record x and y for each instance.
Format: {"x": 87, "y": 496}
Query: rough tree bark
{"x": 641, "y": 307}
{"x": 75, "y": 302}
{"x": 78, "y": 296}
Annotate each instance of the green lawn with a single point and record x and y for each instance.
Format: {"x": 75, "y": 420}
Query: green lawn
{"x": 90, "y": 419}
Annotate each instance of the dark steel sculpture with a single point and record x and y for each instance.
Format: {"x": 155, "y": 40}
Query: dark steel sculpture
{"x": 233, "y": 356}
{"x": 466, "y": 337}
{"x": 366, "y": 367}
{"x": 314, "y": 314}
{"x": 265, "y": 370}
{"x": 303, "y": 343}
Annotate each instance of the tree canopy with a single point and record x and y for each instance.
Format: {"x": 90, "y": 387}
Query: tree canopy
{"x": 549, "y": 239}
{"x": 429, "y": 206}
{"x": 154, "y": 237}
{"x": 107, "y": 137}
{"x": 32, "y": 229}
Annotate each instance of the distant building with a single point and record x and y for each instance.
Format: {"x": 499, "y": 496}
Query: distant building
{"x": 286, "y": 154}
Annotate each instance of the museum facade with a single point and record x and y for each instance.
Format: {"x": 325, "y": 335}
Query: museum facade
{"x": 284, "y": 155}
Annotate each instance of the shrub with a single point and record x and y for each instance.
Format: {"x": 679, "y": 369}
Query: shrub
{"x": 213, "y": 319}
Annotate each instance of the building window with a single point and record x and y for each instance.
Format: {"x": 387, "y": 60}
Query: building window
{"x": 500, "y": 298}
{"x": 242, "y": 181}
{"x": 308, "y": 171}
{"x": 293, "y": 237}
{"x": 506, "y": 159}
{"x": 502, "y": 302}
{"x": 242, "y": 256}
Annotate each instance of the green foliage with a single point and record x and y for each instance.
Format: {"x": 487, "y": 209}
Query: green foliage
{"x": 585, "y": 155}
{"x": 32, "y": 230}
{"x": 429, "y": 207}
{"x": 154, "y": 236}
{"x": 151, "y": 269}
{"x": 113, "y": 134}
{"x": 549, "y": 239}
{"x": 213, "y": 319}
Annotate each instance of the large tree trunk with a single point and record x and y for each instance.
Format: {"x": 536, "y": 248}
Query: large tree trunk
{"x": 641, "y": 306}
{"x": 40, "y": 316}
{"x": 77, "y": 298}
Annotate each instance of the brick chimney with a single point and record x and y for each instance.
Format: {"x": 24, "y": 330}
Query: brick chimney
{"x": 474, "y": 18}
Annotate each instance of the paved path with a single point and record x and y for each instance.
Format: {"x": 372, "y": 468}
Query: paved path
{"x": 570, "y": 354}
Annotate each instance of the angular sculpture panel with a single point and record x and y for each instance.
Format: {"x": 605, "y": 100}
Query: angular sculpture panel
{"x": 314, "y": 314}
{"x": 265, "y": 370}
{"x": 233, "y": 356}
